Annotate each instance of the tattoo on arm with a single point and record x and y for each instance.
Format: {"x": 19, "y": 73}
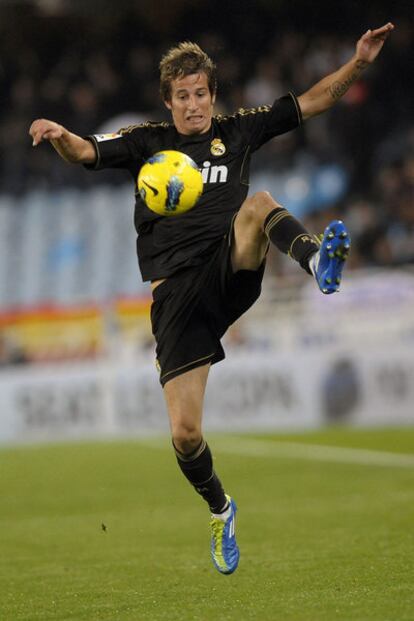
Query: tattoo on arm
{"x": 338, "y": 89}
{"x": 361, "y": 65}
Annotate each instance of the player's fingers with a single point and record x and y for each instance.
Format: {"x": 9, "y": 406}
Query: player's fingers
{"x": 43, "y": 129}
{"x": 37, "y": 137}
{"x": 39, "y": 134}
{"x": 36, "y": 131}
{"x": 33, "y": 127}
{"x": 383, "y": 32}
{"x": 33, "y": 133}
{"x": 389, "y": 26}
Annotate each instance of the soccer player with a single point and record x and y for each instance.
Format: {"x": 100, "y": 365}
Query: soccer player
{"x": 206, "y": 266}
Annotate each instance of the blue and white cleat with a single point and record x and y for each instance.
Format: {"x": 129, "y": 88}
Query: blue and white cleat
{"x": 327, "y": 264}
{"x": 224, "y": 550}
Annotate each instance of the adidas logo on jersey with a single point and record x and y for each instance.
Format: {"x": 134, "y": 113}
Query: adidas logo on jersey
{"x": 214, "y": 174}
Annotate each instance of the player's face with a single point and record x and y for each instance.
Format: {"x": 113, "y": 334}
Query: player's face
{"x": 191, "y": 104}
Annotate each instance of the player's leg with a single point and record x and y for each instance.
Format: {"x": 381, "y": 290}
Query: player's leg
{"x": 261, "y": 219}
{"x": 184, "y": 395}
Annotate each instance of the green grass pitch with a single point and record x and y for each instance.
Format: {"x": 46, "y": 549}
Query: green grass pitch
{"x": 112, "y": 531}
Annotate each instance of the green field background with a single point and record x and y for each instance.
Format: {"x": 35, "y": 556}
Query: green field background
{"x": 112, "y": 531}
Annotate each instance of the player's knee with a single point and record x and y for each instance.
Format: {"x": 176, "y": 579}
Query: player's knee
{"x": 186, "y": 437}
{"x": 264, "y": 201}
{"x": 262, "y": 197}
{"x": 258, "y": 206}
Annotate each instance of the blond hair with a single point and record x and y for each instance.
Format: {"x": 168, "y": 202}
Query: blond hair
{"x": 185, "y": 59}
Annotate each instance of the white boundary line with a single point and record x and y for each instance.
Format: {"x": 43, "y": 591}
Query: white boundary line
{"x": 246, "y": 447}
{"x": 312, "y": 452}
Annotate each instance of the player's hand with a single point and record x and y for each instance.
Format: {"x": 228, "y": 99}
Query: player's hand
{"x": 370, "y": 44}
{"x": 42, "y": 129}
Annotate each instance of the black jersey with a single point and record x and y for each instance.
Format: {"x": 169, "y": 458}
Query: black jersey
{"x": 166, "y": 245}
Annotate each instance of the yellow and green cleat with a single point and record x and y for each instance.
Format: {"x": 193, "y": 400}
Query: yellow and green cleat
{"x": 224, "y": 550}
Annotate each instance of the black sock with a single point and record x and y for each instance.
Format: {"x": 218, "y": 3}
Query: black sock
{"x": 290, "y": 236}
{"x": 197, "y": 467}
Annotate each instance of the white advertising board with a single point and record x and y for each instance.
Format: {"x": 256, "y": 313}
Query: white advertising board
{"x": 255, "y": 391}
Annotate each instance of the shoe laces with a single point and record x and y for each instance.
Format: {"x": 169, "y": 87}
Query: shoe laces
{"x": 217, "y": 525}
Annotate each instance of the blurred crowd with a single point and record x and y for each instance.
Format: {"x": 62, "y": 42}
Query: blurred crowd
{"x": 92, "y": 65}
{"x": 95, "y": 71}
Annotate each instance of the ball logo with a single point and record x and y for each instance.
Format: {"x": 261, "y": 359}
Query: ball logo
{"x": 217, "y": 147}
{"x": 154, "y": 190}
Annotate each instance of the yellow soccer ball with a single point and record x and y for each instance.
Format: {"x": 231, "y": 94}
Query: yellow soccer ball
{"x": 170, "y": 183}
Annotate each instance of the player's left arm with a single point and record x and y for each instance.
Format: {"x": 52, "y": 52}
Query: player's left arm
{"x": 330, "y": 89}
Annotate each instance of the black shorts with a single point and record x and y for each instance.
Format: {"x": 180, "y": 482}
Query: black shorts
{"x": 192, "y": 310}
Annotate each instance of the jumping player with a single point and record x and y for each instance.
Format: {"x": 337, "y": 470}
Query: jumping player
{"x": 206, "y": 266}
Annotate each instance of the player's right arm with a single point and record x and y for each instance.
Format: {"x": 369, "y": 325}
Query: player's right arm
{"x": 71, "y": 148}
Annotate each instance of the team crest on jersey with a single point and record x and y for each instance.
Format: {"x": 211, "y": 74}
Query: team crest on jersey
{"x": 217, "y": 147}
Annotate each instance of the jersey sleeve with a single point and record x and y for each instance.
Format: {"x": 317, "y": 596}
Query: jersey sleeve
{"x": 258, "y": 125}
{"x": 116, "y": 150}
